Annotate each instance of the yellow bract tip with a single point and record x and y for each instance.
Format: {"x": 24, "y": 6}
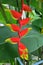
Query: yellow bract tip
{"x": 29, "y": 28}
{"x": 8, "y": 24}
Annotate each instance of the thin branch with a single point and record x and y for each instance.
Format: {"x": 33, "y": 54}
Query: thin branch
{"x": 22, "y": 2}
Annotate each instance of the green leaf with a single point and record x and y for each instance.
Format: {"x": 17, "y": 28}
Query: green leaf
{"x": 12, "y": 2}
{"x": 26, "y": 2}
{"x": 8, "y": 51}
{"x": 5, "y": 33}
{"x": 2, "y": 19}
{"x": 36, "y": 4}
{"x": 27, "y": 26}
{"x": 38, "y": 23}
{"x": 34, "y": 16}
{"x": 9, "y": 17}
{"x": 33, "y": 40}
{"x": 37, "y": 53}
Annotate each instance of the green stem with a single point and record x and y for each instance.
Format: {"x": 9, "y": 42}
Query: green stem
{"x": 15, "y": 61}
{"x": 12, "y": 62}
{"x": 22, "y": 2}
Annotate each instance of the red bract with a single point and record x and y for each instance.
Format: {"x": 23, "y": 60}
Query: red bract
{"x": 21, "y": 45}
{"x": 15, "y": 27}
{"x": 24, "y": 21}
{"x": 23, "y": 32}
{"x": 23, "y": 51}
{"x": 26, "y": 8}
{"x": 13, "y": 39}
{"x": 21, "y": 48}
{"x": 15, "y": 14}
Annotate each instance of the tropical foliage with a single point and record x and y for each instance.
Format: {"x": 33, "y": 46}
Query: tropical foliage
{"x": 21, "y": 31}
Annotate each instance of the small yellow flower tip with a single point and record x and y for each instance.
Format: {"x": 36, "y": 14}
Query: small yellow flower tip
{"x": 8, "y": 25}
{"x": 41, "y": 30}
{"x": 7, "y": 40}
{"x": 13, "y": 18}
{"x": 25, "y": 55}
{"x": 31, "y": 18}
{"x": 29, "y": 28}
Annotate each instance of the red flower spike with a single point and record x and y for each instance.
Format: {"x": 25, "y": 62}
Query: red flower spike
{"x": 15, "y": 14}
{"x": 15, "y": 27}
{"x": 21, "y": 47}
{"x": 24, "y": 21}
{"x": 13, "y": 39}
{"x": 23, "y": 32}
{"x": 26, "y": 8}
{"x": 23, "y": 51}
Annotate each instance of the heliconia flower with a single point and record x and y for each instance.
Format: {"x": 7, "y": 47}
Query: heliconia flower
{"x": 15, "y": 14}
{"x": 15, "y": 39}
{"x": 24, "y": 21}
{"x": 23, "y": 51}
{"x": 11, "y": 41}
{"x": 26, "y": 8}
{"x": 23, "y": 32}
{"x": 15, "y": 27}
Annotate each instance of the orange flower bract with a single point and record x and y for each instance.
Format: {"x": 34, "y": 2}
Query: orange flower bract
{"x": 15, "y": 27}
{"x": 24, "y": 21}
{"x": 26, "y": 8}
{"x": 23, "y": 32}
{"x": 15, "y": 39}
{"x": 23, "y": 51}
{"x": 15, "y": 14}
